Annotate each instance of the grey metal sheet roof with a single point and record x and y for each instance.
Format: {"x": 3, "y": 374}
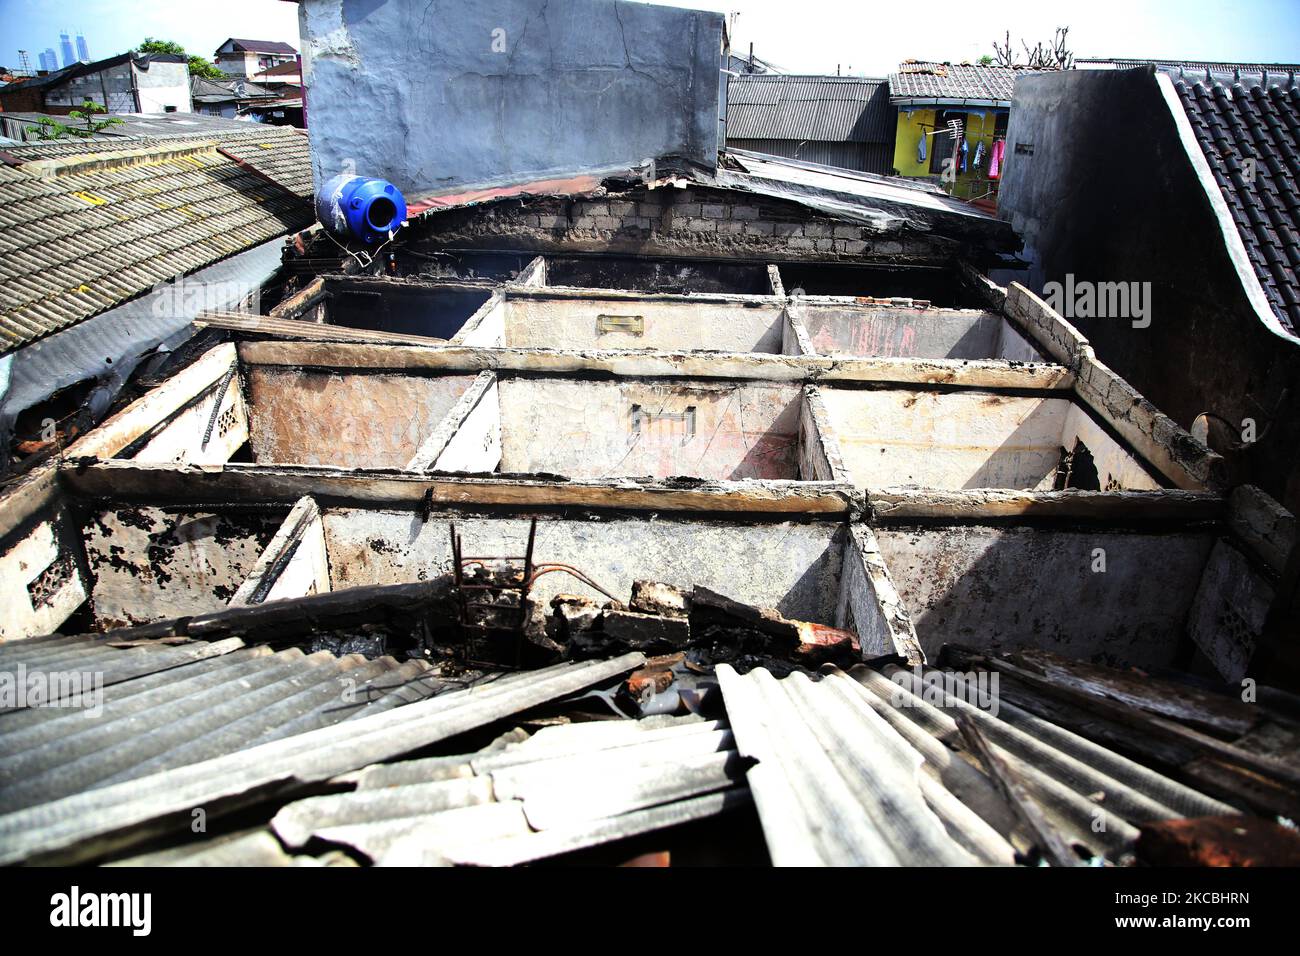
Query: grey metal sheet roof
{"x": 860, "y": 768}
{"x": 81, "y": 241}
{"x": 186, "y": 714}
{"x": 825, "y": 108}
{"x": 92, "y": 823}
{"x": 562, "y": 789}
{"x": 834, "y": 784}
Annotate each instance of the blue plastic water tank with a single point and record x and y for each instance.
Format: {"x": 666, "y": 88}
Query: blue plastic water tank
{"x": 366, "y": 208}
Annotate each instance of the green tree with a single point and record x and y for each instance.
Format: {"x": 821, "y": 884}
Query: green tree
{"x": 87, "y": 113}
{"x": 198, "y": 66}
{"x": 48, "y": 128}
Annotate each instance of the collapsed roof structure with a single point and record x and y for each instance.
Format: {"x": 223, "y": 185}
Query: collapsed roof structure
{"x": 730, "y": 508}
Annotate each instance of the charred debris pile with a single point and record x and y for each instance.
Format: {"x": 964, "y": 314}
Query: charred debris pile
{"x": 485, "y": 622}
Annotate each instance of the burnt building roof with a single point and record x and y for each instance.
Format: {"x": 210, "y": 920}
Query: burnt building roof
{"x": 1248, "y": 128}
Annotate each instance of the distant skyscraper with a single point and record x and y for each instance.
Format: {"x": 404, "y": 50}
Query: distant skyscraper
{"x": 65, "y": 45}
{"x": 83, "y": 51}
{"x": 49, "y": 60}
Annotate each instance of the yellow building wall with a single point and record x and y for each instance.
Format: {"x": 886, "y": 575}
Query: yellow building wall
{"x": 910, "y": 128}
{"x": 906, "y": 135}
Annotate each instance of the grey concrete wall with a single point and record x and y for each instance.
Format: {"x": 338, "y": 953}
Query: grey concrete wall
{"x": 1004, "y": 589}
{"x": 656, "y": 428}
{"x": 306, "y": 417}
{"x": 895, "y": 332}
{"x": 900, "y": 438}
{"x": 620, "y": 322}
{"x": 432, "y": 96}
{"x": 148, "y": 564}
{"x": 1108, "y": 194}
{"x": 790, "y": 566}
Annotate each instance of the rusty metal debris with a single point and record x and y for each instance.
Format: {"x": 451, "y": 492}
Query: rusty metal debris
{"x": 492, "y": 597}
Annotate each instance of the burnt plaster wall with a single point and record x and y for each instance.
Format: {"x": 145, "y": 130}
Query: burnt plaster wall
{"x": 794, "y": 567}
{"x": 1012, "y": 588}
{"x": 310, "y": 417}
{"x": 671, "y": 221}
{"x": 1109, "y": 195}
{"x": 432, "y": 96}
{"x": 148, "y": 564}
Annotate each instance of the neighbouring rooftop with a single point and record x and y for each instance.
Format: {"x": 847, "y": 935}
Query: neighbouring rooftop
{"x": 925, "y": 83}
{"x": 90, "y": 225}
{"x": 1248, "y": 128}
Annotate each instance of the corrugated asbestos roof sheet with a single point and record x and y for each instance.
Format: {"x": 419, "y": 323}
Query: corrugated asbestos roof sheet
{"x": 520, "y": 799}
{"x": 85, "y": 227}
{"x": 1245, "y": 124}
{"x": 860, "y": 768}
{"x": 91, "y": 823}
{"x": 820, "y": 108}
{"x": 964, "y": 81}
{"x": 183, "y": 711}
{"x": 562, "y": 789}
{"x": 834, "y": 784}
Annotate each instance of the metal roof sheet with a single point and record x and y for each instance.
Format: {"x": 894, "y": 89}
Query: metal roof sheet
{"x": 92, "y": 822}
{"x": 834, "y": 784}
{"x": 821, "y": 108}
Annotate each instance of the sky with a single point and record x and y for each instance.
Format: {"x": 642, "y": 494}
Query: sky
{"x": 862, "y": 37}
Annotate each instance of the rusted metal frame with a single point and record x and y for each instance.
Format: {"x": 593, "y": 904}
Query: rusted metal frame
{"x": 469, "y": 609}
{"x": 222, "y": 386}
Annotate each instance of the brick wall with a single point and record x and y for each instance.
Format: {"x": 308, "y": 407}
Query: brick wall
{"x": 671, "y": 221}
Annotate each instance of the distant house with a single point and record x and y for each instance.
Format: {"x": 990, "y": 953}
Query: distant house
{"x": 945, "y": 106}
{"x": 832, "y": 120}
{"x": 237, "y": 98}
{"x": 249, "y": 57}
{"x": 288, "y": 74}
{"x": 127, "y": 83}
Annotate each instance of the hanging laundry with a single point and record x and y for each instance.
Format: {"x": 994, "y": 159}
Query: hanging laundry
{"x": 978, "y": 159}
{"x": 965, "y": 148}
{"x": 920, "y": 148}
{"x": 995, "y": 158}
